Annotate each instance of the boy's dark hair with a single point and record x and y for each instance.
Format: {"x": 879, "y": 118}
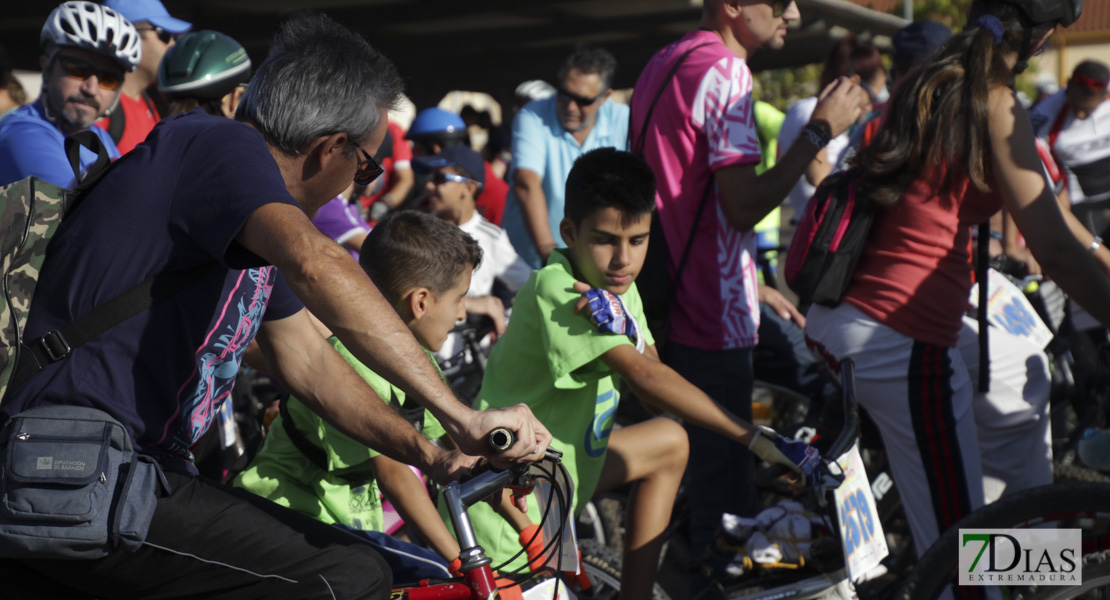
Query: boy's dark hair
{"x": 410, "y": 248}
{"x": 609, "y": 178}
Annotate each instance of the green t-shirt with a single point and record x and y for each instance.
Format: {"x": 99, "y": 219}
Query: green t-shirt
{"x": 281, "y": 473}
{"x": 549, "y": 359}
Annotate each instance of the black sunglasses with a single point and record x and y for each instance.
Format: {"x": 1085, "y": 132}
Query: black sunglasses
{"x": 581, "y": 101}
{"x": 367, "y": 171}
{"x": 162, "y": 34}
{"x": 778, "y": 7}
{"x": 79, "y": 69}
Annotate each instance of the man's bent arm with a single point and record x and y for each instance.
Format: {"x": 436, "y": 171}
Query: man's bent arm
{"x": 336, "y": 290}
{"x": 746, "y": 198}
{"x": 528, "y": 187}
{"x": 320, "y": 378}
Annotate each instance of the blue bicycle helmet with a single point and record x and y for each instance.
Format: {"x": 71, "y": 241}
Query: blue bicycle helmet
{"x": 436, "y": 123}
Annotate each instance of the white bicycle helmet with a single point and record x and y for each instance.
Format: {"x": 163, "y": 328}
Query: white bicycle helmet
{"x": 93, "y": 27}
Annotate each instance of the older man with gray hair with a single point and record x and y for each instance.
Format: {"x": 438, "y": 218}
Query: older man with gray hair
{"x": 230, "y": 202}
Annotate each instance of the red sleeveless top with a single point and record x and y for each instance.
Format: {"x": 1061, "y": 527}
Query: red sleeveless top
{"x": 915, "y": 274}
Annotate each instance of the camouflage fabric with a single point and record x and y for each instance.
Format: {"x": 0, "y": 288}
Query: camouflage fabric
{"x": 30, "y": 211}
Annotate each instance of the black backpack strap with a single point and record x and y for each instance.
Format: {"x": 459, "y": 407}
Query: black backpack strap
{"x": 90, "y": 140}
{"x": 982, "y": 262}
{"x": 312, "y": 452}
{"x": 59, "y": 343}
{"x": 639, "y": 149}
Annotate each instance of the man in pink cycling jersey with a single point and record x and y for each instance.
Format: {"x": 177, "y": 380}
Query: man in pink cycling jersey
{"x": 701, "y": 141}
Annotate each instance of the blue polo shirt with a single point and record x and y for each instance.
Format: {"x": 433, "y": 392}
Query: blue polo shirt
{"x": 32, "y": 145}
{"x": 542, "y": 145}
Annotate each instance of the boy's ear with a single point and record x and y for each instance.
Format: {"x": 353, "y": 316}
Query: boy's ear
{"x": 568, "y": 231}
{"x": 419, "y": 301}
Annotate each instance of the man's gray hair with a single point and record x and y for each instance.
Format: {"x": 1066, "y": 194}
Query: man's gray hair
{"x": 589, "y": 60}
{"x": 319, "y": 79}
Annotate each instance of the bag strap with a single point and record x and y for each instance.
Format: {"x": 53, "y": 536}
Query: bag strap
{"x": 639, "y": 151}
{"x": 90, "y": 140}
{"x": 981, "y": 264}
{"x": 59, "y": 343}
{"x": 314, "y": 453}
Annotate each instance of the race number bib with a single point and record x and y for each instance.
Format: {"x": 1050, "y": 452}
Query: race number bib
{"x": 1008, "y": 309}
{"x": 860, "y": 531}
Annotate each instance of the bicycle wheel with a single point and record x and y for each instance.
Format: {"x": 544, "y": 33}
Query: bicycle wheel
{"x": 1096, "y": 583}
{"x": 1072, "y": 505}
{"x": 603, "y": 567}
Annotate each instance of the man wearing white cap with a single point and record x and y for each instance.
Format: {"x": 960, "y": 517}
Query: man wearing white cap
{"x": 137, "y": 113}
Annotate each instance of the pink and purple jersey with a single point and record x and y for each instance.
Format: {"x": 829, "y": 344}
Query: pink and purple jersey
{"x": 703, "y": 122}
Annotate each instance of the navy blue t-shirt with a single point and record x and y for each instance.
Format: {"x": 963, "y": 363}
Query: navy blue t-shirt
{"x": 174, "y": 202}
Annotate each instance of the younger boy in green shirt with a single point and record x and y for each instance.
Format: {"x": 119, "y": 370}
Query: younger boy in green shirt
{"x": 422, "y": 266}
{"x": 565, "y": 367}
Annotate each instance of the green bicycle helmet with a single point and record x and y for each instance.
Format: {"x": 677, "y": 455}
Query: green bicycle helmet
{"x": 203, "y": 65}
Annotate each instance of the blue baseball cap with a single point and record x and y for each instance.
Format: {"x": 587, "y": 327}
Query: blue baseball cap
{"x": 916, "y": 41}
{"x": 151, "y": 11}
{"x": 459, "y": 155}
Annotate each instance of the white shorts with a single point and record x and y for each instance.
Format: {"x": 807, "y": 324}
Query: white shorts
{"x": 942, "y": 438}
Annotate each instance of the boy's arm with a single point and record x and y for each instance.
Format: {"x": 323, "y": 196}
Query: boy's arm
{"x": 408, "y": 495}
{"x": 660, "y": 386}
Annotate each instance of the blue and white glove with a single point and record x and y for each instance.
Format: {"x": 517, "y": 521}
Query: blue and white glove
{"x": 799, "y": 457}
{"x": 607, "y": 312}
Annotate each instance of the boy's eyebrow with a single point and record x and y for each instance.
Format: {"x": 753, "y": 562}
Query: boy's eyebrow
{"x": 610, "y": 233}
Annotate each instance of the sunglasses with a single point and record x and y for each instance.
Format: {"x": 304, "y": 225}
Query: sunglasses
{"x": 162, "y": 34}
{"x": 778, "y": 7}
{"x": 368, "y": 169}
{"x": 441, "y": 178}
{"x": 581, "y": 101}
{"x": 79, "y": 69}
{"x": 1092, "y": 84}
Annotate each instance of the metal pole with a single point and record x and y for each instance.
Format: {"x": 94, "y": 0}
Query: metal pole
{"x": 907, "y": 10}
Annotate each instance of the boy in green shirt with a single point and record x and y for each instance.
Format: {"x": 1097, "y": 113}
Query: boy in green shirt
{"x": 423, "y": 266}
{"x": 565, "y": 367}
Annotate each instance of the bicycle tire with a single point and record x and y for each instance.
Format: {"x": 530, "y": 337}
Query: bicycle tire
{"x": 603, "y": 567}
{"x": 1071, "y": 472}
{"x": 1096, "y": 574}
{"x": 937, "y": 567}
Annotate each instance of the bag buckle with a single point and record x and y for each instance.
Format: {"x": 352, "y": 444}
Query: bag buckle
{"x": 54, "y": 345}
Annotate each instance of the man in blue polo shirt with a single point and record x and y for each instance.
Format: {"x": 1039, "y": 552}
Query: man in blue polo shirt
{"x": 548, "y": 135}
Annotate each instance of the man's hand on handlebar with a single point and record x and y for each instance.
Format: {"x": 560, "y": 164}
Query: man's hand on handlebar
{"x": 532, "y": 438}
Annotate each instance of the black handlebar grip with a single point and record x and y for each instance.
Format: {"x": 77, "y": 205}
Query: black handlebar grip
{"x": 501, "y": 439}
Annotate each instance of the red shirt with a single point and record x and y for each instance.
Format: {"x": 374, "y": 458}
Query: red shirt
{"x": 491, "y": 202}
{"x": 139, "y": 117}
{"x": 914, "y": 275}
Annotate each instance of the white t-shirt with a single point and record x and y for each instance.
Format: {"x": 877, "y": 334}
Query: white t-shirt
{"x": 797, "y": 115}
{"x": 499, "y": 259}
{"x": 1082, "y": 147}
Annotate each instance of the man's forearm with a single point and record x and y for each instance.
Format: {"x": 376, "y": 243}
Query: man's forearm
{"x": 319, "y": 377}
{"x": 748, "y": 198}
{"x": 338, "y": 292}
{"x": 533, "y": 211}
